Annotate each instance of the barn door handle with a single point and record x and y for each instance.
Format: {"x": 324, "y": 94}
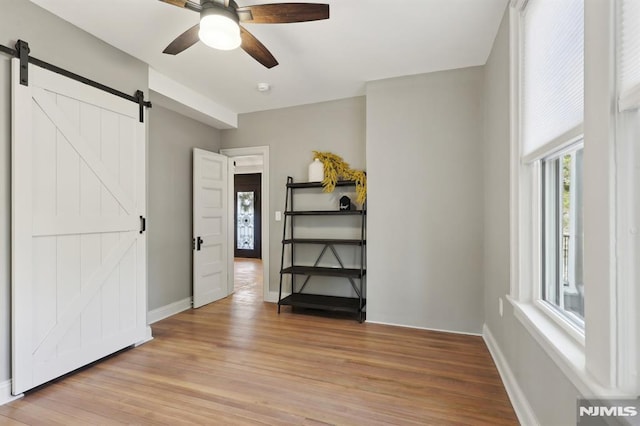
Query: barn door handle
{"x": 198, "y": 243}
{"x": 143, "y": 224}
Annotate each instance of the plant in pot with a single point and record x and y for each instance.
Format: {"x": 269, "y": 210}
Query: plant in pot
{"x": 335, "y": 169}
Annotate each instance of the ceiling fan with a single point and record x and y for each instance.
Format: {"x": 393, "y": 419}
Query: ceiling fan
{"x": 219, "y": 25}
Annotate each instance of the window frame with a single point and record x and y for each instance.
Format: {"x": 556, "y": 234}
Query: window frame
{"x": 530, "y": 261}
{"x": 574, "y": 326}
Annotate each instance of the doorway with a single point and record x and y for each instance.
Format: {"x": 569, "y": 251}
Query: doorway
{"x": 247, "y": 217}
{"x": 246, "y": 161}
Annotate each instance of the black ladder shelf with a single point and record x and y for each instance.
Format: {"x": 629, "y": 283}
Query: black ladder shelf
{"x": 355, "y": 276}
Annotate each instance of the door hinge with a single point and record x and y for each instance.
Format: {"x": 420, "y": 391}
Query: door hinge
{"x": 143, "y": 224}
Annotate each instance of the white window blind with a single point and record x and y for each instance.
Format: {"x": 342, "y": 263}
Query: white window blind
{"x": 629, "y": 55}
{"x": 552, "y": 73}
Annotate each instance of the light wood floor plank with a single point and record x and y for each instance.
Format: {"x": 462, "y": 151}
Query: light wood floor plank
{"x": 237, "y": 362}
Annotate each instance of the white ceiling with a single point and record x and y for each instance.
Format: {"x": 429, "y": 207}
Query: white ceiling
{"x": 363, "y": 40}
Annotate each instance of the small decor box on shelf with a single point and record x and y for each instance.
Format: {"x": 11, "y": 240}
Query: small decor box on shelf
{"x": 345, "y": 203}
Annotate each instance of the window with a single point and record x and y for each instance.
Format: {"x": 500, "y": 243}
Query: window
{"x": 574, "y": 261}
{"x": 628, "y": 190}
{"x": 245, "y": 211}
{"x": 562, "y": 284}
{"x": 629, "y": 56}
{"x": 548, "y": 146}
{"x": 551, "y": 88}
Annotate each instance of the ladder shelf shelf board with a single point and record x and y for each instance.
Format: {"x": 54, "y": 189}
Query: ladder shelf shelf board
{"x": 318, "y": 184}
{"x": 328, "y": 241}
{"x": 324, "y": 212}
{"x": 337, "y": 273}
{"x": 327, "y": 303}
{"x": 325, "y": 272}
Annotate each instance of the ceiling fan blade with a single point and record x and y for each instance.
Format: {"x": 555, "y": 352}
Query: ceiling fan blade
{"x": 185, "y": 4}
{"x": 184, "y": 41}
{"x": 282, "y": 13}
{"x": 256, "y": 50}
{"x": 179, "y": 3}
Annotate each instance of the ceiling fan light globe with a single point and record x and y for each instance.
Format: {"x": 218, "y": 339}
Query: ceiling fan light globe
{"x": 219, "y": 32}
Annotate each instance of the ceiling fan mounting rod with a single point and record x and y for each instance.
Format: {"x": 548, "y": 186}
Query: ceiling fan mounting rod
{"x": 193, "y": 6}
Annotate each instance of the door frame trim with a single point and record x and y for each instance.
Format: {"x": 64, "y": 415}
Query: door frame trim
{"x": 266, "y": 213}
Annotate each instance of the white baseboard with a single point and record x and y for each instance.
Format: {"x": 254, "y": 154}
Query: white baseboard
{"x": 518, "y": 400}
{"x": 5, "y": 393}
{"x": 440, "y": 330}
{"x": 168, "y": 310}
{"x": 272, "y": 297}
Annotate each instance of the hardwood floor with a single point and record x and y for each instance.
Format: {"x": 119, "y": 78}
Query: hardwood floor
{"x": 237, "y": 361}
{"x": 247, "y": 272}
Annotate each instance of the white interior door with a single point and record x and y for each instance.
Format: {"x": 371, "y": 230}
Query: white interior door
{"x": 78, "y": 256}
{"x": 210, "y": 230}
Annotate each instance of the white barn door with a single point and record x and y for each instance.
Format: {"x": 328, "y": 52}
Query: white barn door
{"x": 78, "y": 254}
{"x": 210, "y": 230}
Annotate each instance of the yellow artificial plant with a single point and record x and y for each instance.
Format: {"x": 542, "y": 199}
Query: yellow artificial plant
{"x": 335, "y": 169}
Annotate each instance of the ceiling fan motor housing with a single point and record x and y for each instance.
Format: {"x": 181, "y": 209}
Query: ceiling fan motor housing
{"x": 211, "y": 7}
{"x": 219, "y": 26}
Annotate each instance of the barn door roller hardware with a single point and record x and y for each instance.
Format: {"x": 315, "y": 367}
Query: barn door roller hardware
{"x": 22, "y": 51}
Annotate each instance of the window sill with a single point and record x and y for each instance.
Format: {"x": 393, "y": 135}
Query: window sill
{"x": 562, "y": 324}
{"x": 567, "y": 353}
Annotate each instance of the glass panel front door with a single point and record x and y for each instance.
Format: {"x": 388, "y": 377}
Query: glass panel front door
{"x": 246, "y": 215}
{"x": 248, "y": 242}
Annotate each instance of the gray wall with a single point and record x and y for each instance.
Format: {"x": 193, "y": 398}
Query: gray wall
{"x": 58, "y": 42}
{"x": 292, "y": 134}
{"x": 172, "y": 138}
{"x": 424, "y": 247}
{"x": 496, "y": 160}
{"x": 551, "y": 396}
